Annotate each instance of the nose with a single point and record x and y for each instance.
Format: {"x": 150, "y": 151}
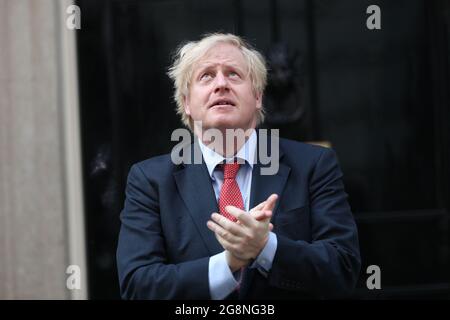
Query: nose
{"x": 221, "y": 83}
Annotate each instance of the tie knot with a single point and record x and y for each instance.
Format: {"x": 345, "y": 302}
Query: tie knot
{"x": 230, "y": 170}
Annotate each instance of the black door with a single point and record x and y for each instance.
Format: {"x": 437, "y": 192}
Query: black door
{"x": 379, "y": 97}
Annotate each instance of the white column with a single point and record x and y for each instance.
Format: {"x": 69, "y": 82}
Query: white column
{"x": 41, "y": 204}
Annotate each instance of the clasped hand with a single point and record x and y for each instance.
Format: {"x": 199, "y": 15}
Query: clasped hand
{"x": 244, "y": 239}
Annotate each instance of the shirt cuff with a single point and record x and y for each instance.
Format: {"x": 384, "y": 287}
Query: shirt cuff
{"x": 221, "y": 280}
{"x": 265, "y": 259}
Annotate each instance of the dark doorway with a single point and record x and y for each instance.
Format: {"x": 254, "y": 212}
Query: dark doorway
{"x": 379, "y": 97}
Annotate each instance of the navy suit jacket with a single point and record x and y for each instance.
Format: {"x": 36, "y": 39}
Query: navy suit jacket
{"x": 164, "y": 244}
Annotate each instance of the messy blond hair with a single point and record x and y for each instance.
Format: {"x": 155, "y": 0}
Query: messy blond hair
{"x": 190, "y": 53}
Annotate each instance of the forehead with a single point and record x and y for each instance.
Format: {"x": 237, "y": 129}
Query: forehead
{"x": 222, "y": 54}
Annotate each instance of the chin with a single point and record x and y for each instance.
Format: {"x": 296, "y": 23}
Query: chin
{"x": 224, "y": 121}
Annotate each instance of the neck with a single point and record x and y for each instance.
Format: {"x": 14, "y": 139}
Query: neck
{"x": 226, "y": 142}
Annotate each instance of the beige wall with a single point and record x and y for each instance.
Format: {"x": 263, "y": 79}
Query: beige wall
{"x": 41, "y": 216}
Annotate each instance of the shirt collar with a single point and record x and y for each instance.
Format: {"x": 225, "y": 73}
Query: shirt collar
{"x": 212, "y": 158}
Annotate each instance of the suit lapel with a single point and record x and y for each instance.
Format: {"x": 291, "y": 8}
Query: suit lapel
{"x": 264, "y": 185}
{"x": 195, "y": 188}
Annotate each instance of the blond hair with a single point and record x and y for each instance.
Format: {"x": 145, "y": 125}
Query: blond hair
{"x": 190, "y": 53}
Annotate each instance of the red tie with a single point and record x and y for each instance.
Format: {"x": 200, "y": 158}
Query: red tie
{"x": 230, "y": 195}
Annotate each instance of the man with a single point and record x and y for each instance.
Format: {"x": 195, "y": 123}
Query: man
{"x": 220, "y": 229}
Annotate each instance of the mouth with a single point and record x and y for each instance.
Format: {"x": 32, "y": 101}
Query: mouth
{"x": 222, "y": 103}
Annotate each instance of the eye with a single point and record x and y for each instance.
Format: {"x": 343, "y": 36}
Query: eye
{"x": 233, "y": 74}
{"x": 206, "y": 76}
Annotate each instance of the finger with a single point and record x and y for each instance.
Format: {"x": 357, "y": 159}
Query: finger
{"x": 262, "y": 215}
{"x": 221, "y": 232}
{"x": 245, "y": 218}
{"x": 233, "y": 227}
{"x": 258, "y": 215}
{"x": 230, "y": 247}
{"x": 266, "y": 218}
{"x": 270, "y": 227}
{"x": 270, "y": 202}
{"x": 224, "y": 243}
{"x": 259, "y": 206}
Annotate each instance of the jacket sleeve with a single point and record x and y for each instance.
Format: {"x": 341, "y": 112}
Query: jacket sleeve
{"x": 329, "y": 265}
{"x": 143, "y": 268}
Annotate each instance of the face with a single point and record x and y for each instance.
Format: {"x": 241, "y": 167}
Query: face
{"x": 221, "y": 93}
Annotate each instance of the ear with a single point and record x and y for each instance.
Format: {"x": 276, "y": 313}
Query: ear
{"x": 258, "y": 100}
{"x": 187, "y": 107}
